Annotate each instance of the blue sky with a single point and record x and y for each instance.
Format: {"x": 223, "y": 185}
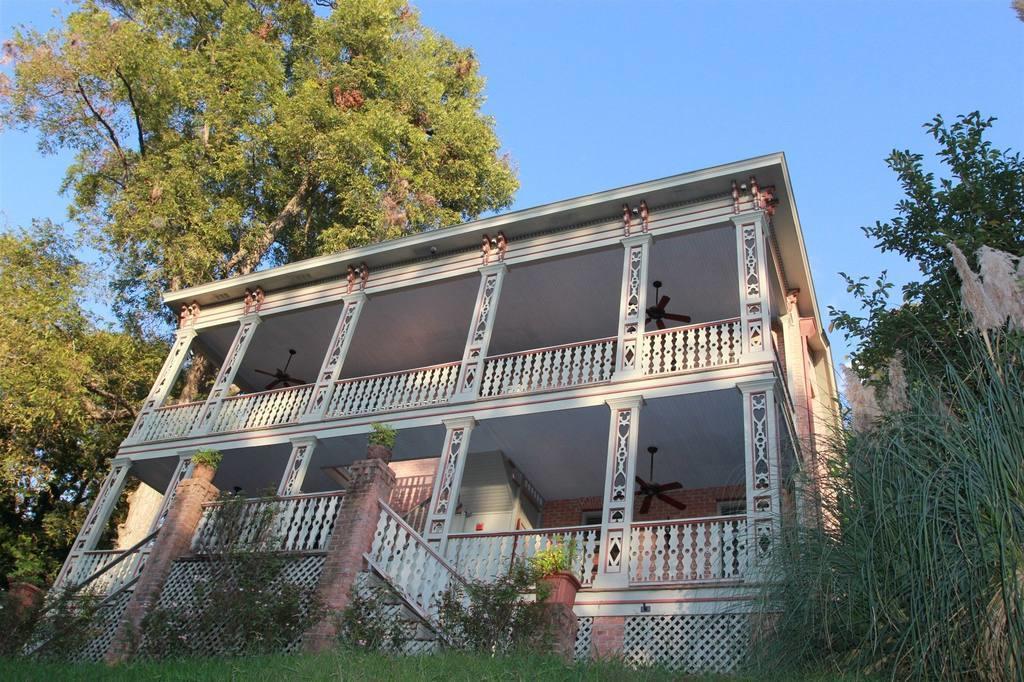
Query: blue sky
{"x": 593, "y": 95}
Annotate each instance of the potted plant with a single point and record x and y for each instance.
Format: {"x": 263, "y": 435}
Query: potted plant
{"x": 205, "y": 463}
{"x": 382, "y": 441}
{"x": 557, "y": 581}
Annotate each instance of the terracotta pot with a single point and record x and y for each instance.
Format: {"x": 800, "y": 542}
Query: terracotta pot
{"x": 203, "y": 472}
{"x": 381, "y": 452}
{"x": 563, "y": 588}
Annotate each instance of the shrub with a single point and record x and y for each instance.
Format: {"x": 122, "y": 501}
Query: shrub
{"x": 492, "y": 617}
{"x": 207, "y": 457}
{"x": 382, "y": 435}
{"x": 558, "y": 558}
{"x": 369, "y": 622}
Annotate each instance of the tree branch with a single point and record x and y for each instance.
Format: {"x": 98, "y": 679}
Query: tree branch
{"x": 110, "y": 131}
{"x": 96, "y": 389}
{"x": 135, "y": 110}
{"x": 247, "y": 258}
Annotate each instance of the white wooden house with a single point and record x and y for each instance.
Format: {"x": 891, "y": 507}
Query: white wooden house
{"x": 642, "y": 371}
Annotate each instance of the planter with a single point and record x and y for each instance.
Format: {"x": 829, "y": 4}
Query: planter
{"x": 203, "y": 472}
{"x": 381, "y": 452}
{"x": 563, "y": 587}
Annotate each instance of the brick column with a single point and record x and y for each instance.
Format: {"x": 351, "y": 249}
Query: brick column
{"x": 173, "y": 542}
{"x": 564, "y": 624}
{"x": 607, "y": 636}
{"x": 354, "y": 529}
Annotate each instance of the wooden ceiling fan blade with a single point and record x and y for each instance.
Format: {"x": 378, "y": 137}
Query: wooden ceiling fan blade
{"x": 665, "y": 487}
{"x": 269, "y": 374}
{"x": 662, "y": 303}
{"x": 646, "y": 506}
{"x": 671, "y": 502}
{"x": 643, "y": 483}
{"x": 677, "y": 318}
{"x": 661, "y": 324}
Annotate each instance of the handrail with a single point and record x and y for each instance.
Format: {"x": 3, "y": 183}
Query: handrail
{"x": 687, "y": 327}
{"x": 176, "y": 405}
{"x": 695, "y": 519}
{"x": 530, "y": 351}
{"x": 419, "y": 538}
{"x": 527, "y": 531}
{"x": 414, "y": 370}
{"x": 239, "y": 396}
{"x": 280, "y": 498}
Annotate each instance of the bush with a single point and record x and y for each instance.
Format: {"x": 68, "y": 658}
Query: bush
{"x": 493, "y": 618}
{"x": 923, "y": 574}
{"x": 370, "y": 623}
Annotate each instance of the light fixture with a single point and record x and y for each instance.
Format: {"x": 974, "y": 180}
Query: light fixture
{"x": 645, "y": 608}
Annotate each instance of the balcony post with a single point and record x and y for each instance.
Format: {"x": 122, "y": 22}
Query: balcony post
{"x": 468, "y": 386}
{"x": 164, "y": 380}
{"x": 330, "y": 370}
{"x": 448, "y": 481}
{"x": 182, "y": 471}
{"x": 226, "y": 376}
{"x": 632, "y": 306}
{"x": 99, "y": 515}
{"x": 751, "y": 253}
{"x": 620, "y": 474}
{"x": 298, "y": 464}
{"x": 761, "y": 448}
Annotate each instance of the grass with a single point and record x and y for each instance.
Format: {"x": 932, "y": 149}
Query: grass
{"x": 357, "y": 666}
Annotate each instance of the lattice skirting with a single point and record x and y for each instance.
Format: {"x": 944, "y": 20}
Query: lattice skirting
{"x": 179, "y": 593}
{"x": 104, "y": 623}
{"x": 585, "y": 625}
{"x": 687, "y": 643}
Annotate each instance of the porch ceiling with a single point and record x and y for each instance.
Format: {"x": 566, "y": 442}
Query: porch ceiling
{"x": 307, "y": 330}
{"x": 698, "y": 271}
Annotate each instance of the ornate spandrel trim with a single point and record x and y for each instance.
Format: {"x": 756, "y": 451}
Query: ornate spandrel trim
{"x": 751, "y": 272}
{"x": 633, "y": 285}
{"x": 296, "y": 468}
{"x": 181, "y": 472}
{"x": 111, "y": 486}
{"x": 449, "y": 466}
{"x": 483, "y": 320}
{"x": 760, "y": 465}
{"x": 620, "y": 458}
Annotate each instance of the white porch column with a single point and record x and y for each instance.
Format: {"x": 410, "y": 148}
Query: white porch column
{"x": 330, "y": 370}
{"x": 620, "y": 474}
{"x": 761, "y": 448}
{"x": 632, "y": 306}
{"x": 164, "y": 380}
{"x": 468, "y": 386}
{"x": 448, "y": 480}
{"x": 226, "y": 376}
{"x": 99, "y": 514}
{"x": 182, "y": 471}
{"x": 298, "y": 464}
{"x": 751, "y": 252}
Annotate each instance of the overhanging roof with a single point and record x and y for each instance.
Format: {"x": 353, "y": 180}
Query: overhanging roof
{"x": 770, "y": 169}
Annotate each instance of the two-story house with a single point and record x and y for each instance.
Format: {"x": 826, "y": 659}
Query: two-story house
{"x": 640, "y": 372}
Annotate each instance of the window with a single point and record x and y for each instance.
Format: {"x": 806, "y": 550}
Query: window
{"x": 732, "y": 507}
{"x": 591, "y": 518}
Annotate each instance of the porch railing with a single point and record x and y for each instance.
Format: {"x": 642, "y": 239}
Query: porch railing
{"x": 296, "y": 523}
{"x": 697, "y": 346}
{"x": 170, "y": 421}
{"x": 266, "y": 408}
{"x": 688, "y": 550}
{"x": 554, "y": 367}
{"x": 103, "y": 572}
{"x": 482, "y": 556}
{"x": 393, "y": 391}
{"x": 409, "y": 564}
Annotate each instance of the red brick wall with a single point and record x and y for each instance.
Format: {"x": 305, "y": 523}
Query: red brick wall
{"x": 698, "y": 501}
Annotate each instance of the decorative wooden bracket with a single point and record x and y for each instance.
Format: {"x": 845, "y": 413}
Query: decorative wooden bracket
{"x": 496, "y": 245}
{"x": 645, "y": 216}
{"x": 357, "y": 276}
{"x": 254, "y": 300}
{"x": 189, "y": 314}
{"x": 627, "y": 220}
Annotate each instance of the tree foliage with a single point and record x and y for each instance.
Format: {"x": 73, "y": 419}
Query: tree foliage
{"x": 214, "y": 137}
{"x": 980, "y": 203}
{"x": 68, "y": 394}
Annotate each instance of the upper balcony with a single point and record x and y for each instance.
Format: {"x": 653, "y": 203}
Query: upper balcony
{"x": 554, "y": 327}
{"x": 528, "y": 307}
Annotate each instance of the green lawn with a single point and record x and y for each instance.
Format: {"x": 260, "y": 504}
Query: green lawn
{"x": 350, "y": 666}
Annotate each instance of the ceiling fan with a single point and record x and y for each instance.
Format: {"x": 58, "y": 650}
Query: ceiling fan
{"x": 657, "y": 311}
{"x": 281, "y": 376}
{"x": 651, "y": 489}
